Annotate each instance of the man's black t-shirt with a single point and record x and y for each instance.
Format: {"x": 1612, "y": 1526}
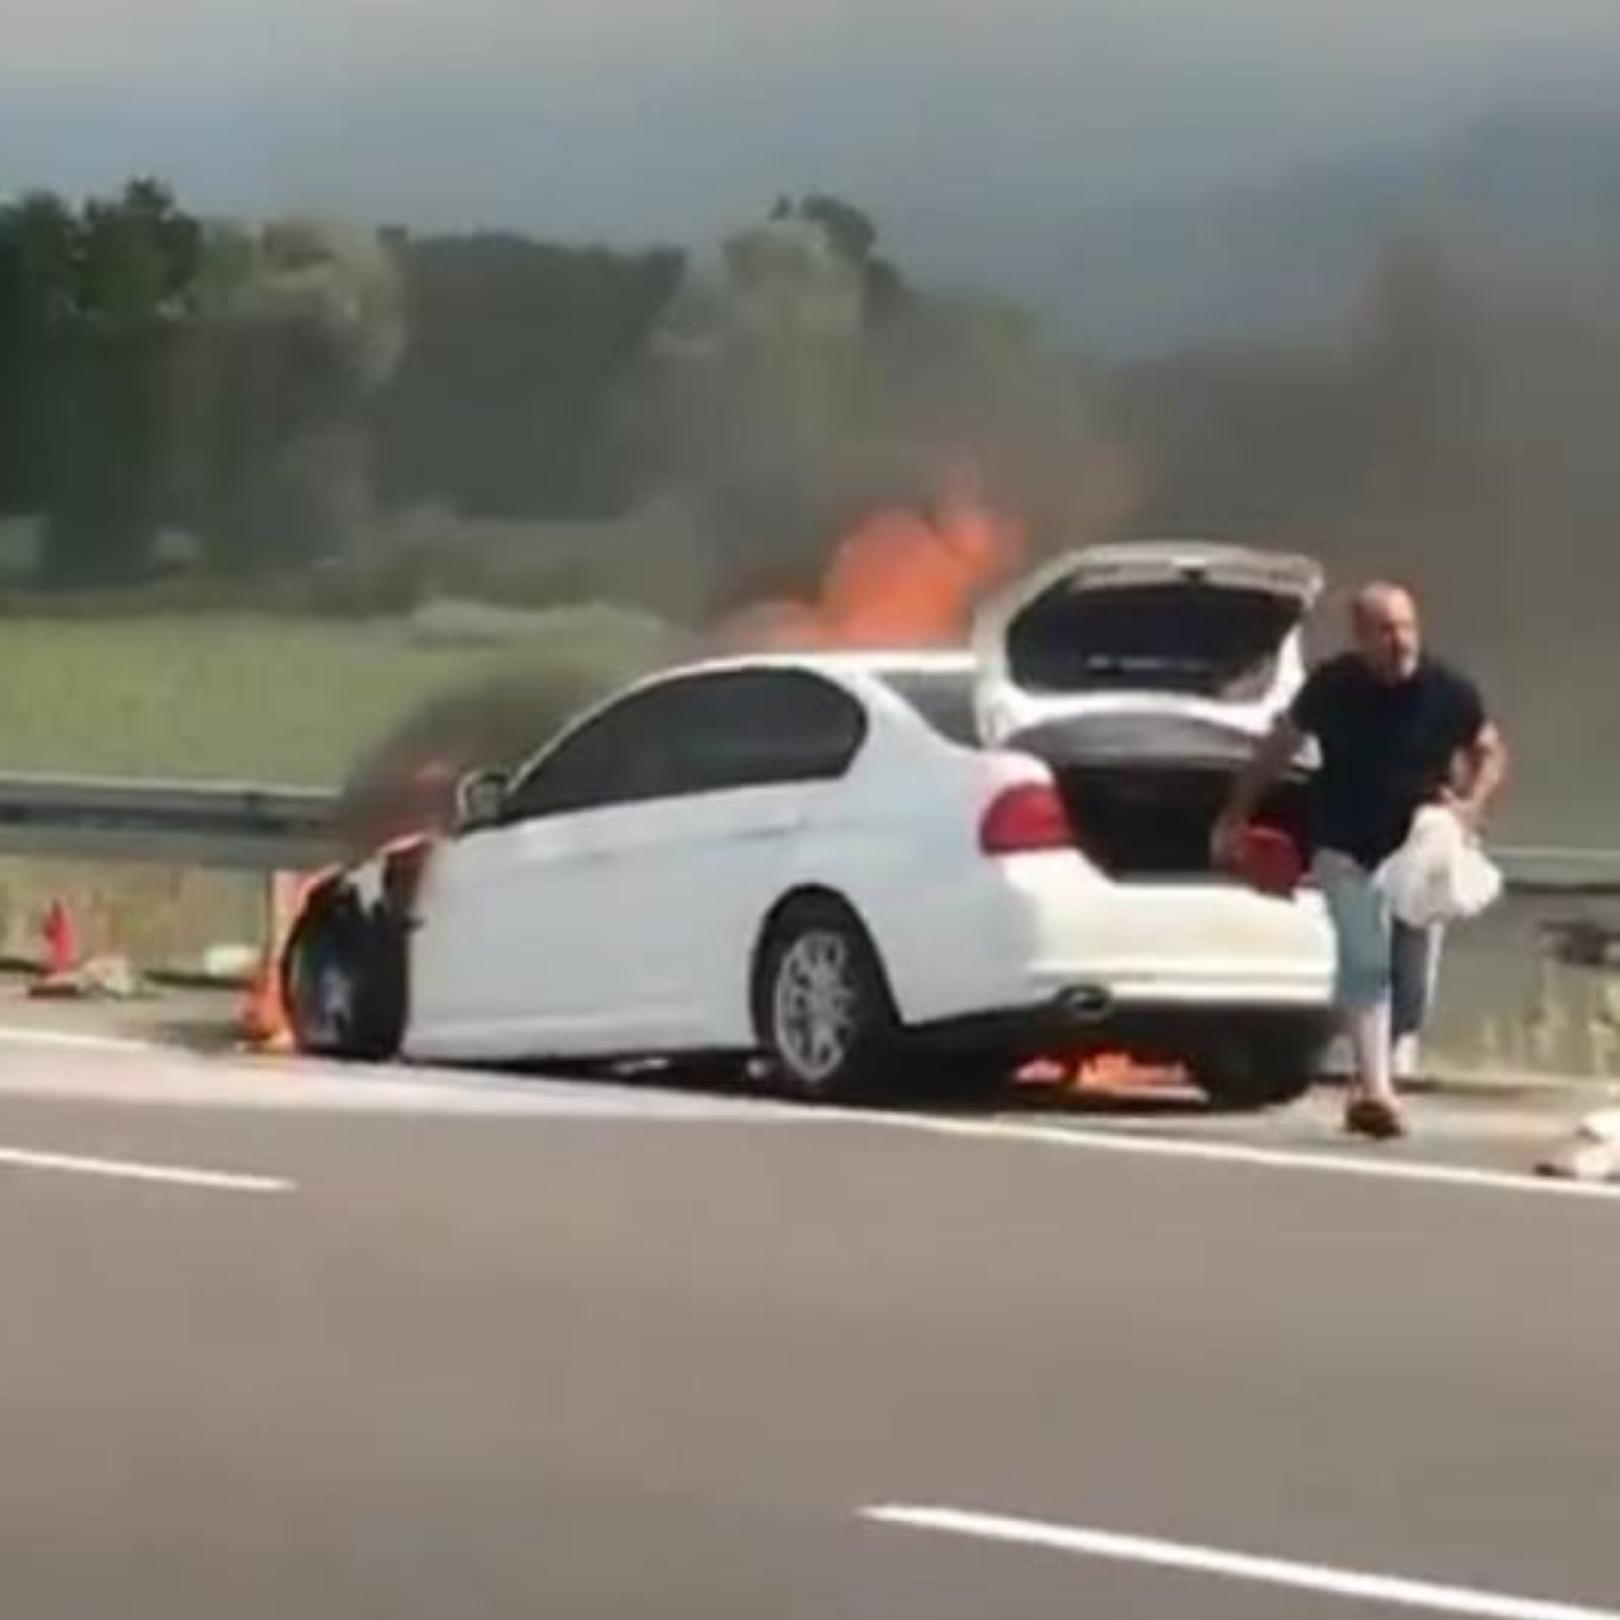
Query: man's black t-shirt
{"x": 1387, "y": 749}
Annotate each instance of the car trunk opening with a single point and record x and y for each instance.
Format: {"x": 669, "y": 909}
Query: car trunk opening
{"x": 1157, "y": 822}
{"x": 1143, "y": 791}
{"x": 1195, "y": 637}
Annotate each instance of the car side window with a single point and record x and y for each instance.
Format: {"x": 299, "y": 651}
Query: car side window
{"x": 601, "y": 763}
{"x": 755, "y": 728}
{"x": 697, "y": 734}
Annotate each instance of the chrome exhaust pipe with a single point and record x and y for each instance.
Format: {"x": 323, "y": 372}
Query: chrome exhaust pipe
{"x": 1086, "y": 1004}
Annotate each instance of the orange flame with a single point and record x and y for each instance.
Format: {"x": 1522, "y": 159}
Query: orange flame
{"x": 898, "y": 580}
{"x": 1122, "y": 1071}
{"x": 1105, "y": 1071}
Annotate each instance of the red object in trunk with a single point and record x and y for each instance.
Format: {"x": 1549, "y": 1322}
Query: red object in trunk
{"x": 1269, "y": 860}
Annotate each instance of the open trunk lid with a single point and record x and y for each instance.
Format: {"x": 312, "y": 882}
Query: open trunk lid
{"x": 1207, "y": 629}
{"x": 1142, "y": 674}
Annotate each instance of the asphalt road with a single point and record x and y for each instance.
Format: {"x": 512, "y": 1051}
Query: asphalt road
{"x": 282, "y": 1341}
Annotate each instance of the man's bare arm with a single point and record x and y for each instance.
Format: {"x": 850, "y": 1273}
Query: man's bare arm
{"x": 1273, "y": 755}
{"x": 1482, "y": 770}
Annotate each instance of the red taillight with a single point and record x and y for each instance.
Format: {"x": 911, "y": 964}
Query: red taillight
{"x": 1025, "y": 818}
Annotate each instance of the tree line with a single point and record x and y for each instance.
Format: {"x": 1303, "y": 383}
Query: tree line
{"x": 265, "y": 387}
{"x": 275, "y": 390}
{"x": 280, "y": 391}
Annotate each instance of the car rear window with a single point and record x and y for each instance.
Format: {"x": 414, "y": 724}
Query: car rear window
{"x": 943, "y": 698}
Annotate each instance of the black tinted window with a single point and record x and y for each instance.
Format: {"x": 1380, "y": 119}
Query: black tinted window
{"x": 616, "y": 756}
{"x": 752, "y": 728}
{"x": 699, "y": 734}
{"x": 944, "y": 698}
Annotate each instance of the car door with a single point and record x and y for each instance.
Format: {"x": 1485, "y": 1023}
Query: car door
{"x": 682, "y": 873}
{"x": 505, "y": 958}
{"x": 615, "y": 908}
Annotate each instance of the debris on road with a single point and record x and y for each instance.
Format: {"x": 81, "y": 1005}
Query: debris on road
{"x": 1591, "y": 1154}
{"x": 230, "y": 964}
{"x": 101, "y": 978}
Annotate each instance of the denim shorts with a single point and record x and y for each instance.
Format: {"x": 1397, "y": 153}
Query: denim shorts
{"x": 1379, "y": 958}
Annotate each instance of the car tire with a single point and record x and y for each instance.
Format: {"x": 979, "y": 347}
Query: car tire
{"x": 823, "y": 1012}
{"x": 343, "y": 982}
{"x": 1261, "y": 1063}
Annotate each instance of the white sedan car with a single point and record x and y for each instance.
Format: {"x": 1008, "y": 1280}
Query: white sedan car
{"x": 819, "y": 859}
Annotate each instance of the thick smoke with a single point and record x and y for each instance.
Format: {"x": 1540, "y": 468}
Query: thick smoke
{"x": 300, "y": 323}
{"x": 1456, "y": 433}
{"x": 793, "y": 389}
{"x": 793, "y": 395}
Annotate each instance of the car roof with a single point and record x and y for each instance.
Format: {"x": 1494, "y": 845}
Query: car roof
{"x": 845, "y": 667}
{"x": 841, "y": 665}
{"x": 1191, "y": 551}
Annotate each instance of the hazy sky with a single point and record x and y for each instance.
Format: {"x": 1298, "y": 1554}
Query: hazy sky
{"x": 640, "y": 118}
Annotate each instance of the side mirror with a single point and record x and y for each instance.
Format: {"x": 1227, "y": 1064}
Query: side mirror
{"x": 480, "y": 798}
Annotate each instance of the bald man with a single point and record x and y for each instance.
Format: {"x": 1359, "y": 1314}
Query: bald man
{"x": 1397, "y": 730}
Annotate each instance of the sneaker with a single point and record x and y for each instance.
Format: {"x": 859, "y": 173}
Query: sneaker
{"x": 1406, "y": 1059}
{"x": 1375, "y": 1118}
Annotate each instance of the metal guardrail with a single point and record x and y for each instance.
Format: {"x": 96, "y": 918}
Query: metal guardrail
{"x": 1555, "y": 870}
{"x": 242, "y": 826}
{"x": 254, "y": 827}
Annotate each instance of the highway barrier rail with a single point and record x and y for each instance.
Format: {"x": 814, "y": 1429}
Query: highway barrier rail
{"x": 1544, "y": 869}
{"x": 258, "y": 827}
{"x": 1540, "y": 992}
{"x": 240, "y": 826}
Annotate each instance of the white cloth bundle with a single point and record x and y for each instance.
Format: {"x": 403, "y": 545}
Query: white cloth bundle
{"x": 1440, "y": 874}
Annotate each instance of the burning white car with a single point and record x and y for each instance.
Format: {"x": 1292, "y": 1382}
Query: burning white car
{"x": 866, "y": 866}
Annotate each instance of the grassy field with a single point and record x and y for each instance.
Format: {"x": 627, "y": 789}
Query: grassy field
{"x": 234, "y": 696}
{"x": 268, "y": 699}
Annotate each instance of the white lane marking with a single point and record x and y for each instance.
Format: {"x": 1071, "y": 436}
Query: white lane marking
{"x": 1393, "y": 1590}
{"x": 1326, "y": 1162}
{"x": 68, "y": 1040}
{"x": 425, "y": 1089}
{"x": 173, "y": 1175}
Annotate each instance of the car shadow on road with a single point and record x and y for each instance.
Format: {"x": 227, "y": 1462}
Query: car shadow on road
{"x": 1102, "y": 1103}
{"x": 734, "y": 1080}
{"x": 209, "y": 1028}
{"x": 208, "y": 1037}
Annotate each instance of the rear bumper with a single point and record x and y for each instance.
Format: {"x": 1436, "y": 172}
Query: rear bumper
{"x": 1018, "y": 935}
{"x": 1302, "y": 986}
{"x": 1195, "y": 943}
{"x": 1150, "y": 1030}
